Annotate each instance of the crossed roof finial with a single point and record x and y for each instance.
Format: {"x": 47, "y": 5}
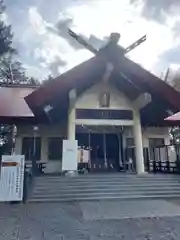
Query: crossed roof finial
{"x": 114, "y": 37}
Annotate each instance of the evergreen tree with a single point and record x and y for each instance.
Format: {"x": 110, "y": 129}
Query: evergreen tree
{"x": 175, "y": 131}
{"x": 11, "y": 72}
{"x": 33, "y": 81}
{"x": 6, "y": 34}
{"x": 48, "y": 79}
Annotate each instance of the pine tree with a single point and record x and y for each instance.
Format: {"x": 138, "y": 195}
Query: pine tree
{"x": 48, "y": 79}
{"x": 175, "y": 131}
{"x": 6, "y": 34}
{"x": 11, "y": 70}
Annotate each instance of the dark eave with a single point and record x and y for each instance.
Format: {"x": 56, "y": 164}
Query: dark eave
{"x": 143, "y": 78}
{"x": 79, "y": 77}
{"x": 128, "y": 76}
{"x": 18, "y": 120}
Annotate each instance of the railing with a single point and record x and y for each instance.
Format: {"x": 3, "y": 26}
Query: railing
{"x": 164, "y": 159}
{"x": 32, "y": 170}
{"x": 28, "y": 184}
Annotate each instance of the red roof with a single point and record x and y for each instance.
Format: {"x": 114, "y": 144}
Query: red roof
{"x": 12, "y": 102}
{"x": 175, "y": 117}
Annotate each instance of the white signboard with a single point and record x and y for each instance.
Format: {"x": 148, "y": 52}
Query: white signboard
{"x": 70, "y": 155}
{"x": 11, "y": 178}
{"x": 86, "y": 156}
{"x": 83, "y": 156}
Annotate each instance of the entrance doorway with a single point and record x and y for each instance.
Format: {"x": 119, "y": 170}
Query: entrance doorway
{"x": 54, "y": 155}
{"x": 106, "y": 148}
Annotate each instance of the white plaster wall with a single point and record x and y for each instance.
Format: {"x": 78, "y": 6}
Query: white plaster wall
{"x": 150, "y": 132}
{"x": 45, "y": 131}
{"x": 90, "y": 98}
{"x": 156, "y": 132}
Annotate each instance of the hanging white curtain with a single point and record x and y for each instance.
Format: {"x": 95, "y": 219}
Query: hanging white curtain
{"x": 104, "y": 147}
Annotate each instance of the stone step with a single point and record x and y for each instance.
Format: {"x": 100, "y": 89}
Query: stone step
{"x": 105, "y": 186}
{"x": 75, "y": 179}
{"x": 109, "y": 186}
{"x": 111, "y": 175}
{"x": 100, "y": 194}
{"x": 95, "y": 198}
{"x": 88, "y": 190}
{"x": 97, "y": 194}
{"x": 86, "y": 178}
{"x": 119, "y": 175}
{"x": 133, "y": 183}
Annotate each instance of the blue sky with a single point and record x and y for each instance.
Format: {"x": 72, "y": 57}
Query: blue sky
{"x": 40, "y": 31}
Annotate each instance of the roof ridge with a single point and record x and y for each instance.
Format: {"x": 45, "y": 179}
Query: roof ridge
{"x": 19, "y": 85}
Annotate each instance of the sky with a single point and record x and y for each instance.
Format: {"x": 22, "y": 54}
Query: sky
{"x": 41, "y": 32}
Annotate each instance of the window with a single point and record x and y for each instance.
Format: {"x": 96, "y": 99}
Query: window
{"x": 104, "y": 114}
{"x": 55, "y": 148}
{"x": 31, "y": 147}
{"x": 104, "y": 99}
{"x": 156, "y": 142}
{"x": 154, "y": 148}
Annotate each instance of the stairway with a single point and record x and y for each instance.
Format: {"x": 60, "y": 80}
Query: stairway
{"x": 105, "y": 186}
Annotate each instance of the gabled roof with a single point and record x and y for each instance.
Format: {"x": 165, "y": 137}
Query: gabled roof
{"x": 128, "y": 76}
{"x": 143, "y": 78}
{"x": 78, "y": 76}
{"x": 87, "y": 73}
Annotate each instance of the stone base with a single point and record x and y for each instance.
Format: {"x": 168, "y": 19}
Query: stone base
{"x": 71, "y": 173}
{"x": 142, "y": 173}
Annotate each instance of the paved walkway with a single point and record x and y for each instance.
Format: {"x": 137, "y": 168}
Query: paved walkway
{"x": 129, "y": 209}
{"x": 102, "y": 220}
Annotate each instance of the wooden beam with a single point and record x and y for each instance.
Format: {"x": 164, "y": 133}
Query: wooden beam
{"x": 142, "y": 100}
{"x": 108, "y": 71}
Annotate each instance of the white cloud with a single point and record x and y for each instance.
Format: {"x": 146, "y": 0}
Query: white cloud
{"x": 99, "y": 18}
{"x": 49, "y": 46}
{"x": 36, "y": 71}
{"x": 4, "y": 17}
{"x": 74, "y": 58}
{"x": 36, "y": 21}
{"x": 102, "y": 18}
{"x": 159, "y": 40}
{"x": 175, "y": 67}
